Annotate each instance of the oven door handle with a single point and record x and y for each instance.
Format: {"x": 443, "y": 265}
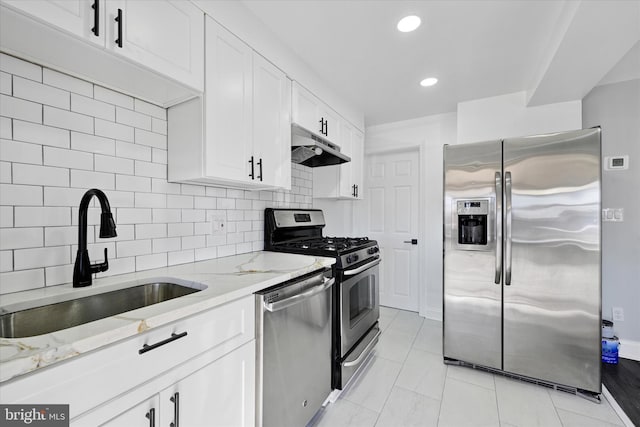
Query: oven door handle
{"x": 364, "y": 353}
{"x": 361, "y": 268}
{"x": 288, "y": 302}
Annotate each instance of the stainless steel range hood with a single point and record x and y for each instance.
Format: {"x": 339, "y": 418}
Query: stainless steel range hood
{"x": 311, "y": 150}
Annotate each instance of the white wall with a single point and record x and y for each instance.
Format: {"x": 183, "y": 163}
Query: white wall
{"x": 61, "y": 136}
{"x": 616, "y": 108}
{"x": 508, "y": 116}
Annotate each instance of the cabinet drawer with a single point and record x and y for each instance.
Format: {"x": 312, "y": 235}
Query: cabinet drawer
{"x": 86, "y": 381}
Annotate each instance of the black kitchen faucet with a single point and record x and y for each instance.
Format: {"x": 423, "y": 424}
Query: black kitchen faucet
{"x": 83, "y": 268}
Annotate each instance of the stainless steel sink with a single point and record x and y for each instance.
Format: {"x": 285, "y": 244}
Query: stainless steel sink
{"x": 61, "y": 315}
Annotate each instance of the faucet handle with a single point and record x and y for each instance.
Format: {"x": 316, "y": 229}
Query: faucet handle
{"x": 101, "y": 266}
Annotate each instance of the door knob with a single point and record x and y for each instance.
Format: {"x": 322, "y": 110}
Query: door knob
{"x": 412, "y": 241}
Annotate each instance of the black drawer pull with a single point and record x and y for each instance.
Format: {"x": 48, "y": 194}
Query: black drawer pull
{"x": 119, "y": 21}
{"x": 176, "y": 409}
{"x": 151, "y": 415}
{"x": 96, "y": 18}
{"x": 173, "y": 337}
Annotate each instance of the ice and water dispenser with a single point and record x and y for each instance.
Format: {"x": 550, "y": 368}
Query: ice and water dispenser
{"x": 472, "y": 224}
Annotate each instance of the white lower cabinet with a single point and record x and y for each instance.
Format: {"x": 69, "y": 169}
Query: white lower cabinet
{"x": 221, "y": 393}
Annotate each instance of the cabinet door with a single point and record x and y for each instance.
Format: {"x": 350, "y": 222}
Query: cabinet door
{"x": 164, "y": 35}
{"x": 220, "y": 394}
{"x": 77, "y": 17}
{"x": 332, "y": 124}
{"x": 271, "y": 123}
{"x": 143, "y": 414}
{"x": 306, "y": 110}
{"x": 228, "y": 105}
{"x": 357, "y": 162}
{"x": 345, "y": 183}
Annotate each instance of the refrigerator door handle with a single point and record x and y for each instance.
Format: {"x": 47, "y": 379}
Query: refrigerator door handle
{"x": 498, "y": 228}
{"x": 507, "y": 249}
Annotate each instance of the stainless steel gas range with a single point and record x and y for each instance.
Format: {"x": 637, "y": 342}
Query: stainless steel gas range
{"x": 355, "y": 300}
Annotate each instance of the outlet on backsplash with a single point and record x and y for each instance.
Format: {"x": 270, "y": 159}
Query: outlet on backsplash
{"x": 217, "y": 222}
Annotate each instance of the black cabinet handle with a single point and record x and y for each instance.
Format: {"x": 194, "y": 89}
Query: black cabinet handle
{"x": 353, "y": 190}
{"x": 321, "y": 121}
{"x": 119, "y": 21}
{"x": 151, "y": 415}
{"x": 176, "y": 409}
{"x": 260, "y": 164}
{"x": 173, "y": 337}
{"x": 357, "y": 188}
{"x": 252, "y": 174}
{"x": 326, "y": 128}
{"x": 96, "y": 18}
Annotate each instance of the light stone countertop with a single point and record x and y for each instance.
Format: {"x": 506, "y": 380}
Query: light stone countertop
{"x": 226, "y": 279}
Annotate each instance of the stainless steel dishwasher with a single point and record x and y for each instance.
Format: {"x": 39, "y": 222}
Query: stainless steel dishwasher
{"x": 293, "y": 350}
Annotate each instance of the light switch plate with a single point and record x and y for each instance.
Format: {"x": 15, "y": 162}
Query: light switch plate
{"x": 613, "y": 215}
{"x": 617, "y": 314}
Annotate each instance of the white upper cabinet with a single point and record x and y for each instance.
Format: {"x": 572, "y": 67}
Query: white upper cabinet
{"x": 240, "y": 136}
{"x": 82, "y": 18}
{"x": 153, "y": 50}
{"x": 309, "y": 112}
{"x": 342, "y": 181}
{"x": 163, "y": 35}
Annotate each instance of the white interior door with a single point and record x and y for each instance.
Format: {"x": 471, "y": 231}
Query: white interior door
{"x": 392, "y": 183}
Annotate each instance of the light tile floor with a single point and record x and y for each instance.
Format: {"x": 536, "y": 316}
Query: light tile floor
{"x": 406, "y": 383}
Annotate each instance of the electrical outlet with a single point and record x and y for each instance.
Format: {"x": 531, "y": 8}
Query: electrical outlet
{"x": 613, "y": 215}
{"x": 217, "y": 222}
{"x": 618, "y": 314}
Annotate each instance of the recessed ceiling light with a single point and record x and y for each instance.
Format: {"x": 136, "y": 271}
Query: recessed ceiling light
{"x": 429, "y": 82}
{"x": 409, "y": 23}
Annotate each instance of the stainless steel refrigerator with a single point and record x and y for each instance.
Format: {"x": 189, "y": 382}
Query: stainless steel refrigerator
{"x": 522, "y": 287}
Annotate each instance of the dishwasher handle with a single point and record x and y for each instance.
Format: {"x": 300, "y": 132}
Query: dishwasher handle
{"x": 288, "y": 302}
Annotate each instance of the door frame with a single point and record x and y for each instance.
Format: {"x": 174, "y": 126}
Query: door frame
{"x": 422, "y": 273}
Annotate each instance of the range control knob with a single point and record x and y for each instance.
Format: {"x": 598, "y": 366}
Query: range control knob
{"x": 352, "y": 258}
{"x": 373, "y": 250}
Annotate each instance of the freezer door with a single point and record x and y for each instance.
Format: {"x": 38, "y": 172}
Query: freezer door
{"x": 552, "y": 258}
{"x": 472, "y": 291}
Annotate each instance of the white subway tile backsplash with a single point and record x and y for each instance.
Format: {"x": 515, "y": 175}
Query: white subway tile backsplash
{"x": 12, "y": 65}
{"x": 147, "y": 262}
{"x": 6, "y": 128}
{"x": 158, "y": 126}
{"x": 21, "y": 152}
{"x": 133, "y": 118}
{"x": 20, "y": 195}
{"x": 133, "y": 216}
{"x": 151, "y": 231}
{"x": 150, "y": 109}
{"x": 166, "y": 215}
{"x": 20, "y": 109}
{"x": 133, "y": 248}
{"x": 180, "y": 229}
{"x": 152, "y": 170}
{"x": 150, "y": 200}
{"x": 112, "y": 97}
{"x": 6, "y": 261}
{"x": 40, "y": 175}
{"x": 19, "y": 238}
{"x": 113, "y": 164}
{"x": 114, "y": 130}
{"x": 67, "y": 119}
{"x": 24, "y": 280}
{"x": 24, "y": 259}
{"x": 66, "y": 82}
{"x": 59, "y": 274}
{"x": 95, "y": 137}
{"x": 87, "y": 179}
{"x": 39, "y": 134}
{"x": 28, "y": 216}
{"x": 93, "y": 144}
{"x": 6, "y": 85}
{"x": 92, "y": 107}
{"x": 151, "y": 139}
{"x": 181, "y": 257}
{"x": 67, "y": 158}
{"x": 42, "y": 94}
{"x": 6, "y": 216}
{"x": 133, "y": 151}
{"x": 166, "y": 244}
{"x": 133, "y": 183}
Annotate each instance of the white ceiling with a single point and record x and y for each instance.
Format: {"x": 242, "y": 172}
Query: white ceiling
{"x": 476, "y": 48}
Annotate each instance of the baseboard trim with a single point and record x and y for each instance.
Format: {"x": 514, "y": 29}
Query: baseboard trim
{"x": 629, "y": 349}
{"x": 617, "y": 409}
{"x": 432, "y": 314}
